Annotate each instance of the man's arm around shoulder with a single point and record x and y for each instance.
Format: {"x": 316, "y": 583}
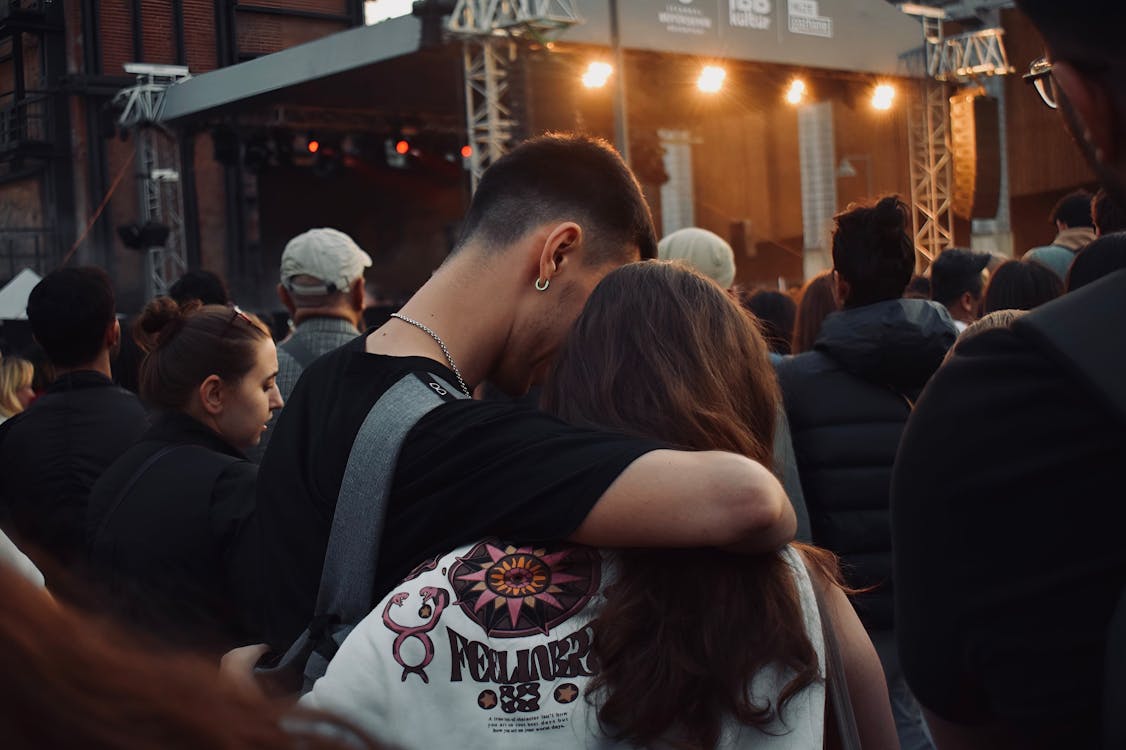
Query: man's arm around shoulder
{"x": 670, "y": 498}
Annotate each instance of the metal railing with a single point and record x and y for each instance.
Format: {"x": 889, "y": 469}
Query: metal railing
{"x": 24, "y": 122}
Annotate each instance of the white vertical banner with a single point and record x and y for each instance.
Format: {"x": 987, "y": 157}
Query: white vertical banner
{"x": 678, "y": 199}
{"x": 817, "y": 149}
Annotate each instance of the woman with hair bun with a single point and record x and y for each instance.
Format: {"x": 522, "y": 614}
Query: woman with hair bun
{"x": 848, "y": 400}
{"x": 163, "y": 518}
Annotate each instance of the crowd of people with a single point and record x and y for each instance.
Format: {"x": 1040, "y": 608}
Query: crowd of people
{"x": 873, "y": 512}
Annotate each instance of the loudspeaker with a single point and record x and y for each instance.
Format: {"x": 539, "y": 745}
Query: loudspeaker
{"x": 975, "y": 136}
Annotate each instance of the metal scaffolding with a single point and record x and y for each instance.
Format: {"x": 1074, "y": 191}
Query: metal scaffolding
{"x": 943, "y": 61}
{"x": 489, "y": 30}
{"x": 158, "y": 170}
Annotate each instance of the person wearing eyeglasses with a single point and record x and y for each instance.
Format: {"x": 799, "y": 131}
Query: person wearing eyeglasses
{"x": 52, "y": 453}
{"x": 1006, "y": 500}
{"x": 163, "y": 518}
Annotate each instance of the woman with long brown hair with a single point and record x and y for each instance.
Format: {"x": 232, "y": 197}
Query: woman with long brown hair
{"x": 817, "y": 302}
{"x": 553, "y": 644}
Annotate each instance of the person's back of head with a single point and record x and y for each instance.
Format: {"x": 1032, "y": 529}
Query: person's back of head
{"x": 1101, "y": 258}
{"x": 201, "y": 286}
{"x": 702, "y": 250}
{"x": 1073, "y": 211}
{"x": 16, "y": 375}
{"x": 558, "y": 177}
{"x": 918, "y": 288}
{"x": 689, "y": 368}
{"x": 72, "y": 316}
{"x": 818, "y": 301}
{"x": 1107, "y": 215}
{"x": 872, "y": 252}
{"x": 1021, "y": 285}
{"x": 775, "y": 312}
{"x": 322, "y": 272}
{"x": 958, "y": 280}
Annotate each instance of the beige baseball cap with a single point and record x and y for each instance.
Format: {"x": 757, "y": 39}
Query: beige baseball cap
{"x": 705, "y": 251}
{"x": 325, "y": 254}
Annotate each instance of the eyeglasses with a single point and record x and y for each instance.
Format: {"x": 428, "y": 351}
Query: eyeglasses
{"x": 236, "y": 313}
{"x": 1040, "y": 75}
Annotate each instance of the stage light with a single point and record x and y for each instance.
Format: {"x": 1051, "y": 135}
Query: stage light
{"x": 883, "y": 96}
{"x": 796, "y": 92}
{"x": 314, "y": 146}
{"x": 466, "y": 152}
{"x": 402, "y": 147}
{"x": 711, "y": 79}
{"x": 597, "y": 75}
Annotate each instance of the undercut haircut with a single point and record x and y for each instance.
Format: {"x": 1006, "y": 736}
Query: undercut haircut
{"x": 70, "y": 312}
{"x": 563, "y": 177}
{"x": 873, "y": 252}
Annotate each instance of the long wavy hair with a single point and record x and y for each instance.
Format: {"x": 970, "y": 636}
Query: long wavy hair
{"x": 660, "y": 351}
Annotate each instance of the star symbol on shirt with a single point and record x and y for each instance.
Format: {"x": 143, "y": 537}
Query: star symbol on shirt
{"x": 566, "y": 693}
{"x": 487, "y": 699}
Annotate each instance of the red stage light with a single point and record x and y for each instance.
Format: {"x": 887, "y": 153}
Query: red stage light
{"x": 402, "y": 147}
{"x": 314, "y": 147}
{"x": 466, "y": 152}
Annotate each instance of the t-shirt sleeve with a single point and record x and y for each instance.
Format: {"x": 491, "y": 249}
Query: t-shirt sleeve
{"x": 470, "y": 470}
{"x": 1008, "y": 556}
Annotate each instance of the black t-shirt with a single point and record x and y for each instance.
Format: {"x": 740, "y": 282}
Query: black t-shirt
{"x": 468, "y": 469}
{"x": 1008, "y": 523}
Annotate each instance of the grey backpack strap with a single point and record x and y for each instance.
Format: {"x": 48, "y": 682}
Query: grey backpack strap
{"x": 348, "y": 574}
{"x": 299, "y": 350}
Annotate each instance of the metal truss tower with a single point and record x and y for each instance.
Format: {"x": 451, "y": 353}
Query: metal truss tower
{"x": 489, "y": 30}
{"x": 944, "y": 61}
{"x": 158, "y": 170}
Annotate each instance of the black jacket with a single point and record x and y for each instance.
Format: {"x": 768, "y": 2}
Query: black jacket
{"x": 848, "y": 401}
{"x": 162, "y": 521}
{"x": 51, "y": 455}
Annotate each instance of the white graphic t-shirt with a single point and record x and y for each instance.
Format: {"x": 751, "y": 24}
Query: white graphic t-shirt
{"x": 489, "y": 646}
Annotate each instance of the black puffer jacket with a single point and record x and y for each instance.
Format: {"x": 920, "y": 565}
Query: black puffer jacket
{"x": 848, "y": 401}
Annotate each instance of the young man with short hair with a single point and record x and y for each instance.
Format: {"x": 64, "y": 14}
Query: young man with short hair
{"x": 548, "y": 221}
{"x": 1075, "y": 230}
{"x": 51, "y": 454}
{"x": 957, "y": 282}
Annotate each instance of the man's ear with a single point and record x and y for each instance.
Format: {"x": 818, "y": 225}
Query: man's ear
{"x": 969, "y": 302}
{"x": 841, "y": 289}
{"x": 1090, "y": 105}
{"x": 113, "y": 335}
{"x": 211, "y": 395}
{"x": 356, "y": 294}
{"x": 559, "y": 248}
{"x": 286, "y": 300}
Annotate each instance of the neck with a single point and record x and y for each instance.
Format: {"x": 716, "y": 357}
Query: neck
{"x": 469, "y": 308}
{"x": 99, "y": 364}
{"x": 302, "y": 314}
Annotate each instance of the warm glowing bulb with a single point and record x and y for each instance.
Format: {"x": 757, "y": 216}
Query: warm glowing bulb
{"x": 883, "y": 97}
{"x": 466, "y": 152}
{"x": 314, "y": 147}
{"x": 796, "y": 92}
{"x": 711, "y": 79}
{"x": 402, "y": 147}
{"x": 597, "y": 75}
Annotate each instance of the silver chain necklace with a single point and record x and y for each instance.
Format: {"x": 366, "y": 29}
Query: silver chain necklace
{"x": 441, "y": 343}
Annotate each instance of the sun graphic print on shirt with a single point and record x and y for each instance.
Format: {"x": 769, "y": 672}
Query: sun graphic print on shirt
{"x": 513, "y": 592}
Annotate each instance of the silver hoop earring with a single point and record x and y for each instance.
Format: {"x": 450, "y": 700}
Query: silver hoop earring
{"x": 546, "y": 283}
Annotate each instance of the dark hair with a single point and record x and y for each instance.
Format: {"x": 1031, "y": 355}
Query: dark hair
{"x": 1107, "y": 215}
{"x": 1020, "y": 285}
{"x": 1101, "y": 258}
{"x": 84, "y": 682}
{"x": 200, "y": 286}
{"x": 775, "y": 313}
{"x": 956, "y": 271}
{"x": 1082, "y": 24}
{"x": 872, "y": 251}
{"x": 1074, "y": 210}
{"x": 70, "y": 312}
{"x": 817, "y": 301}
{"x": 708, "y": 386}
{"x": 918, "y": 288}
{"x": 186, "y": 345}
{"x": 557, "y": 177}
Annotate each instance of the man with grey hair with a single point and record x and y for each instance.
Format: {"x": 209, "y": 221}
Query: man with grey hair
{"x": 322, "y": 287}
